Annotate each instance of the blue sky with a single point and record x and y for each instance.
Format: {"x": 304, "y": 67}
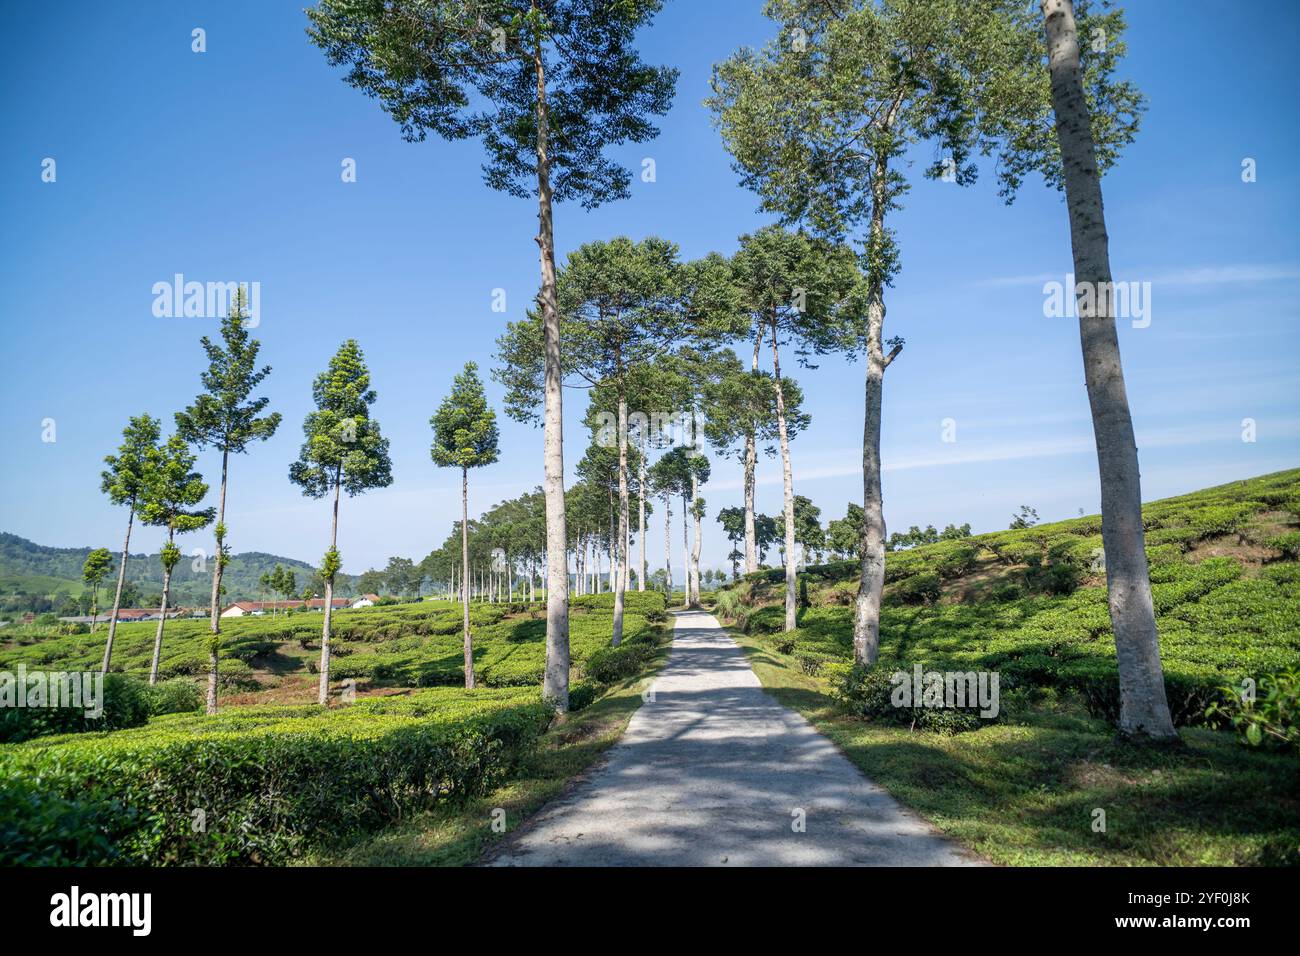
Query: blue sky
{"x": 226, "y": 165}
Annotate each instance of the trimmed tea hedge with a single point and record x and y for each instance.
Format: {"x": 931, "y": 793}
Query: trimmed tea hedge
{"x": 255, "y": 785}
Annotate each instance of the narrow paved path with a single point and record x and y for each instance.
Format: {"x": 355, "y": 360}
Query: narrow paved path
{"x": 713, "y": 771}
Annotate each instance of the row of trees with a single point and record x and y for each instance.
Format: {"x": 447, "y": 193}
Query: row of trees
{"x": 819, "y": 123}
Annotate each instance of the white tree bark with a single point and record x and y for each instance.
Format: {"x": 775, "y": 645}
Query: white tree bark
{"x": 1144, "y": 709}
{"x": 214, "y": 623}
{"x": 555, "y": 685}
{"x": 751, "y": 466}
{"x": 323, "y": 691}
{"x": 117, "y": 595}
{"x": 464, "y": 558}
{"x": 620, "y": 584}
{"x": 787, "y": 479}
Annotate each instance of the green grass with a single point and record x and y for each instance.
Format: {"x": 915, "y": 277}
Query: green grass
{"x": 1024, "y": 791}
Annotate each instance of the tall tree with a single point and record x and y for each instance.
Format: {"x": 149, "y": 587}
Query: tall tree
{"x": 98, "y": 563}
{"x": 733, "y": 526}
{"x": 465, "y": 437}
{"x": 1070, "y": 120}
{"x": 343, "y": 450}
{"x": 547, "y": 84}
{"x": 819, "y": 123}
{"x": 681, "y": 472}
{"x": 171, "y": 498}
{"x": 622, "y": 305}
{"x": 796, "y": 290}
{"x": 124, "y": 482}
{"x": 740, "y": 413}
{"x": 225, "y": 418}
{"x": 808, "y": 533}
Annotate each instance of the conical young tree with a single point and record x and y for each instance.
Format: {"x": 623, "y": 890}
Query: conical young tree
{"x": 98, "y": 563}
{"x": 465, "y": 437}
{"x": 171, "y": 498}
{"x": 224, "y": 418}
{"x": 124, "y": 482}
{"x": 343, "y": 450}
{"x": 547, "y": 84}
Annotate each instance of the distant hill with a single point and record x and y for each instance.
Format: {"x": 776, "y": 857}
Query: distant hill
{"x": 30, "y": 568}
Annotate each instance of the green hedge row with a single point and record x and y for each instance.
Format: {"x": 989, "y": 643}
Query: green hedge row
{"x": 257, "y": 785}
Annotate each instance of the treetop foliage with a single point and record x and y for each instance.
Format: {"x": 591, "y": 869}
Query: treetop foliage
{"x": 470, "y": 68}
{"x": 343, "y": 444}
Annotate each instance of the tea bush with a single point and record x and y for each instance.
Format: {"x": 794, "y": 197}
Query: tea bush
{"x": 255, "y": 785}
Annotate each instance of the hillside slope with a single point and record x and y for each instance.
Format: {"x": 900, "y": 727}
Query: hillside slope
{"x": 1031, "y": 603}
{"x": 30, "y": 568}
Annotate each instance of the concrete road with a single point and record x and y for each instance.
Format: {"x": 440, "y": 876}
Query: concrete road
{"x": 711, "y": 772}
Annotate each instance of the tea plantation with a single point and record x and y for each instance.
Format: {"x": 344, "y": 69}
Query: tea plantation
{"x": 260, "y": 783}
{"x": 1031, "y": 603}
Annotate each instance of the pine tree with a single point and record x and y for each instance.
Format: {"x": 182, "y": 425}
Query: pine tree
{"x": 224, "y": 418}
{"x": 343, "y": 451}
{"x": 465, "y": 436}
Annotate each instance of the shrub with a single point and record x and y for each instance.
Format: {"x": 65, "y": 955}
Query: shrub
{"x": 784, "y": 642}
{"x": 867, "y": 693}
{"x": 1052, "y": 576}
{"x": 175, "y": 696}
{"x": 1269, "y": 720}
{"x": 811, "y": 664}
{"x": 126, "y": 703}
{"x": 582, "y": 694}
{"x": 727, "y": 603}
{"x": 1288, "y": 544}
{"x": 612, "y": 664}
{"x": 269, "y": 780}
{"x": 921, "y": 588}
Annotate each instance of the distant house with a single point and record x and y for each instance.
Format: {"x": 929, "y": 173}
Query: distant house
{"x": 246, "y": 608}
{"x": 366, "y": 600}
{"x": 132, "y": 614}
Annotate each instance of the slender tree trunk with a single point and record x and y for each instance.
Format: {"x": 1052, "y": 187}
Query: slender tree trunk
{"x": 668, "y": 542}
{"x": 686, "y": 554}
{"x": 1144, "y": 709}
{"x": 323, "y": 694}
{"x": 162, "y": 618}
{"x": 641, "y": 481}
{"x": 751, "y": 466}
{"x": 621, "y": 586}
{"x": 699, "y": 541}
{"x": 787, "y": 479}
{"x": 214, "y": 639}
{"x": 94, "y": 606}
{"x": 464, "y": 559}
{"x": 117, "y": 595}
{"x": 871, "y": 583}
{"x": 555, "y": 685}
